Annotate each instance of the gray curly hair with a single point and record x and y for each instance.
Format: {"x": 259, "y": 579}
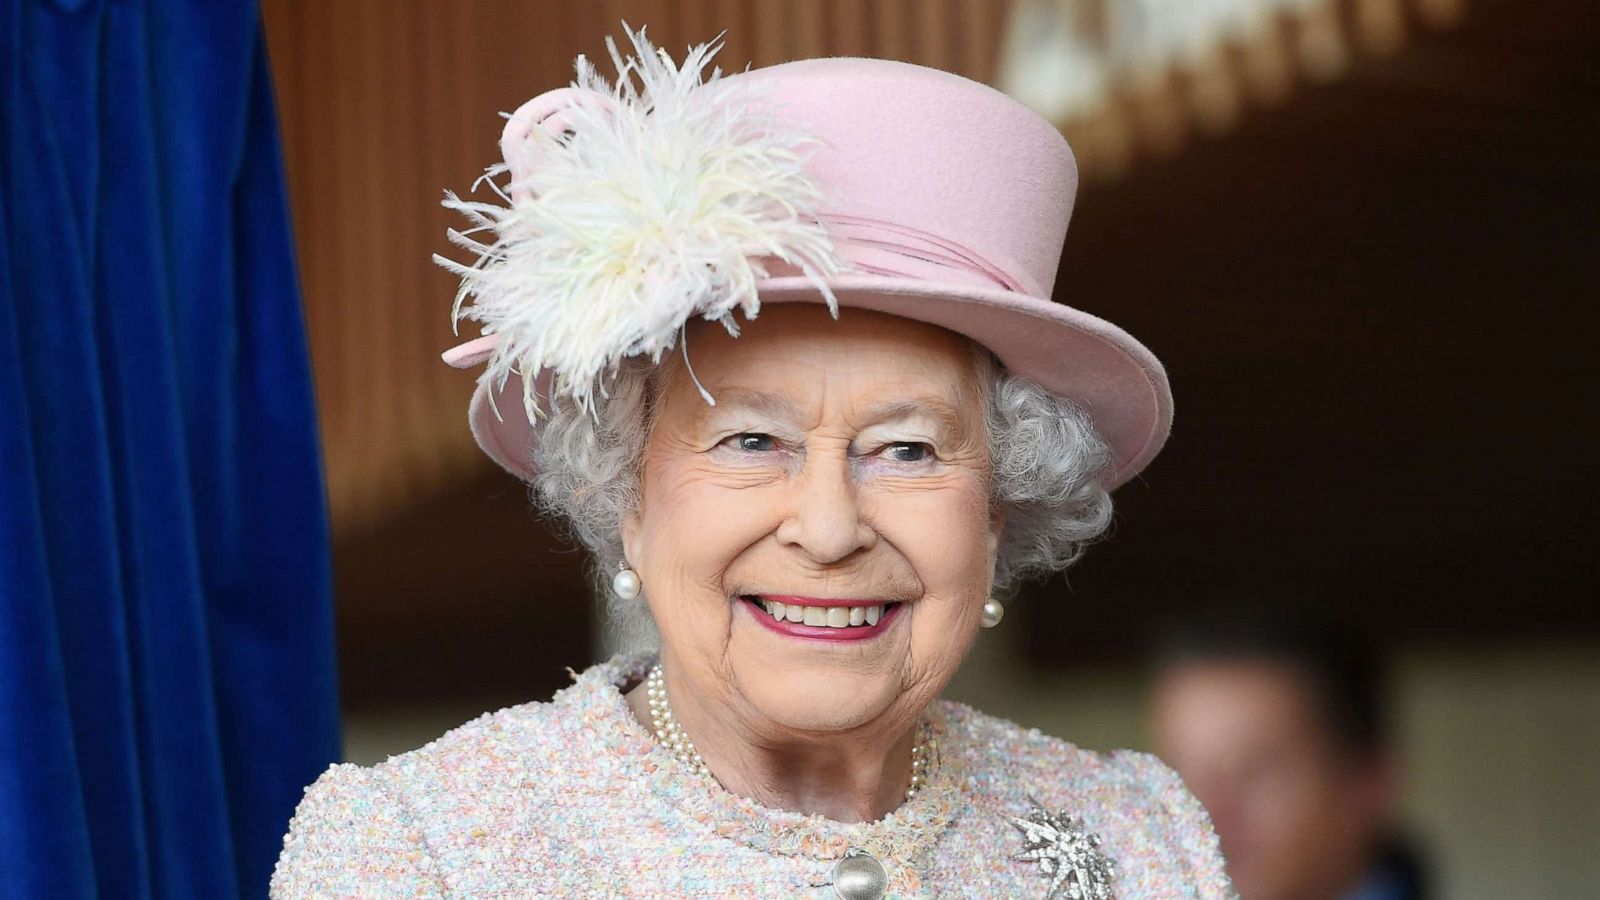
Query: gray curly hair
{"x": 1046, "y": 462}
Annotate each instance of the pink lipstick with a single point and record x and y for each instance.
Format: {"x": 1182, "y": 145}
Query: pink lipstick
{"x": 821, "y": 618}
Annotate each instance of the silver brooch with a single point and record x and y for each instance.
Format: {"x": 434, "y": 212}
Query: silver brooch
{"x": 1067, "y": 853}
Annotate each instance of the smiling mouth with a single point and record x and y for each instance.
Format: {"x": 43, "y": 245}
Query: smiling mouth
{"x": 814, "y": 613}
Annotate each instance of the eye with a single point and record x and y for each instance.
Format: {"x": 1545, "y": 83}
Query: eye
{"x": 908, "y": 451}
{"x": 752, "y": 442}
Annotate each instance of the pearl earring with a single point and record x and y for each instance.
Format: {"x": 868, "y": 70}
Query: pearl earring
{"x": 625, "y": 583}
{"x": 993, "y": 612}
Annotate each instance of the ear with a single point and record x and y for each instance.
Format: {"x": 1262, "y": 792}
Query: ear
{"x": 997, "y": 528}
{"x": 629, "y": 531}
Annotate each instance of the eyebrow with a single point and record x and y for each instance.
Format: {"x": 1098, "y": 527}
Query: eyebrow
{"x": 775, "y": 406}
{"x": 945, "y": 415}
{"x": 781, "y": 408}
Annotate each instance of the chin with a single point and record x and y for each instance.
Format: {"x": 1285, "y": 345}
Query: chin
{"x": 819, "y": 698}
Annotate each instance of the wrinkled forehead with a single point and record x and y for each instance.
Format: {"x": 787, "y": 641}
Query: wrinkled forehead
{"x": 796, "y": 362}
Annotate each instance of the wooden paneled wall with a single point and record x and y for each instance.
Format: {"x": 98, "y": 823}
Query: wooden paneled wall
{"x": 385, "y": 104}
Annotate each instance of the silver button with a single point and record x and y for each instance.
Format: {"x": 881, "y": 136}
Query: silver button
{"x": 860, "y": 877}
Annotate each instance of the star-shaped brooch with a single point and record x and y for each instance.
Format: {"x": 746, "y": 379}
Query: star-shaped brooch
{"x": 1067, "y": 853}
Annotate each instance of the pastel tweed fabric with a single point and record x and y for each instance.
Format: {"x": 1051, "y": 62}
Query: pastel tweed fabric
{"x": 574, "y": 798}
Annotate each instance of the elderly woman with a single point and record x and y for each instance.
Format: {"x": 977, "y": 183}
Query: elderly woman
{"x": 810, "y": 514}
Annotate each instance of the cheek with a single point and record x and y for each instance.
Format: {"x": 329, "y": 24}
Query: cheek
{"x": 693, "y": 526}
{"x": 944, "y": 534}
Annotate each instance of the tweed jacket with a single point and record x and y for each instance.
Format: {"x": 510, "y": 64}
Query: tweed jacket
{"x": 574, "y": 798}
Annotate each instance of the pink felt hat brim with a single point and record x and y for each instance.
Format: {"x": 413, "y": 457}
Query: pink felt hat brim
{"x": 1113, "y": 377}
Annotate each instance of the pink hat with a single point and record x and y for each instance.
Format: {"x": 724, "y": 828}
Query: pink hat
{"x": 945, "y": 201}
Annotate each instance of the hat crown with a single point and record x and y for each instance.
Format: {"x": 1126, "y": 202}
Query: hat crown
{"x": 894, "y": 187}
{"x": 927, "y": 150}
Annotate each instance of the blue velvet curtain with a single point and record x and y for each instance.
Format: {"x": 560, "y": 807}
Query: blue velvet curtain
{"x": 166, "y": 661}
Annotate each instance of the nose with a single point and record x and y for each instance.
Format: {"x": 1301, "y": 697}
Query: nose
{"x": 824, "y": 522}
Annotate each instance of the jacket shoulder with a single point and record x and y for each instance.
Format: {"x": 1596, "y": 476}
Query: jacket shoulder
{"x": 1186, "y": 825}
{"x": 350, "y": 837}
{"x": 1150, "y": 825}
{"x": 383, "y": 830}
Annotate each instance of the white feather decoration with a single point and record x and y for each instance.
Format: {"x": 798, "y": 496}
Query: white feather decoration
{"x": 659, "y": 202}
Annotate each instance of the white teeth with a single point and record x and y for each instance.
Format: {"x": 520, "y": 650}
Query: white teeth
{"x": 824, "y": 616}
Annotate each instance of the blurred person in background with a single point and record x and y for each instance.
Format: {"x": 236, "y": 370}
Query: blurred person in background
{"x": 1277, "y": 723}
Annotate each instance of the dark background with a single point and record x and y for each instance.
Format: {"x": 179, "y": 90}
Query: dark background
{"x": 1377, "y": 306}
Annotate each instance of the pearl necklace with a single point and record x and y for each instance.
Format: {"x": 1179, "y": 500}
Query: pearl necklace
{"x": 671, "y": 734}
